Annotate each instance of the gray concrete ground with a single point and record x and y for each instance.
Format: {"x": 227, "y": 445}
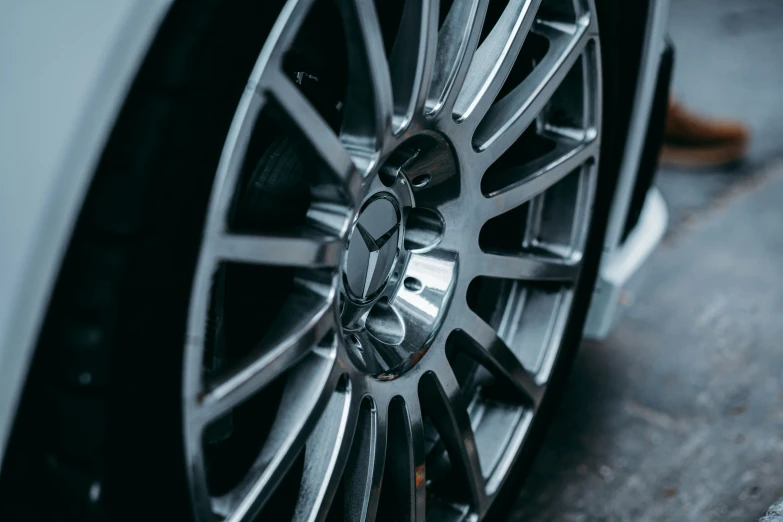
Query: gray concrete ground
{"x": 679, "y": 414}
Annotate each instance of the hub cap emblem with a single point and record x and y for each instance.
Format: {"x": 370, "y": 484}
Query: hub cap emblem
{"x": 373, "y": 247}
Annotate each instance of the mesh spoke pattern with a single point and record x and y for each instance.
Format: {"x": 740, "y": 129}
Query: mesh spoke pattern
{"x": 340, "y": 443}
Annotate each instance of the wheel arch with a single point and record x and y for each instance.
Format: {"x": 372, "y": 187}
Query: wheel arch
{"x": 62, "y": 95}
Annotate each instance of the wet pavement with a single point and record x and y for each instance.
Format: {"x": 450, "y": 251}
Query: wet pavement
{"x": 679, "y": 414}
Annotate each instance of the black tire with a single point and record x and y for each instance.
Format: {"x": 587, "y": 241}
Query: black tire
{"x": 109, "y": 446}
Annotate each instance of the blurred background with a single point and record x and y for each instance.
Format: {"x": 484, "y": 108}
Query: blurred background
{"x": 679, "y": 414}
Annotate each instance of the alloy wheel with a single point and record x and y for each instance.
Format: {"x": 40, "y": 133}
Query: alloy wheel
{"x": 389, "y": 259}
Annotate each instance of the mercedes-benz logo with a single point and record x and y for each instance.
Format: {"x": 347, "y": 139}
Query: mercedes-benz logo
{"x": 373, "y": 247}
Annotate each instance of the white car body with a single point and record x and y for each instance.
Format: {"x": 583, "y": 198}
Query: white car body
{"x": 65, "y": 68}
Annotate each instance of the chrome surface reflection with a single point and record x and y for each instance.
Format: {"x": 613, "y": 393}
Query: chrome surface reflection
{"x": 433, "y": 272}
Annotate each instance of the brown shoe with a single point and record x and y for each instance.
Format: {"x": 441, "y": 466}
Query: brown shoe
{"x": 694, "y": 141}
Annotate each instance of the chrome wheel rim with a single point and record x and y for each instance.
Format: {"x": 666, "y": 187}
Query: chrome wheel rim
{"x": 416, "y": 339}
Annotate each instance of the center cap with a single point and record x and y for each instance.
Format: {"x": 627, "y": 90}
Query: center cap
{"x": 373, "y": 247}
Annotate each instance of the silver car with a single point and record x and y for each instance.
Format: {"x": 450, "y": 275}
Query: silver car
{"x": 309, "y": 260}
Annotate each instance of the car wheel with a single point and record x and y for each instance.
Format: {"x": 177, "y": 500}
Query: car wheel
{"x": 334, "y": 264}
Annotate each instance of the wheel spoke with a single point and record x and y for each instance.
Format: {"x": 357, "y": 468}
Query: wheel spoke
{"x": 310, "y": 124}
{"x": 526, "y": 267}
{"x": 326, "y": 453}
{"x": 457, "y": 41}
{"x": 304, "y": 249}
{"x": 305, "y": 320}
{"x": 368, "y": 109}
{"x": 308, "y": 390}
{"x": 494, "y": 58}
{"x": 495, "y": 355}
{"x": 415, "y": 440}
{"x": 518, "y": 185}
{"x": 412, "y": 59}
{"x": 442, "y": 399}
{"x": 267, "y": 81}
{"x": 364, "y": 471}
{"x": 403, "y": 495}
{"x": 507, "y": 119}
{"x": 283, "y": 34}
